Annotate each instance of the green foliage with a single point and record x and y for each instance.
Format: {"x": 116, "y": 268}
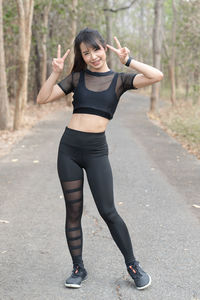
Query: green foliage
{"x": 10, "y": 21}
{"x": 132, "y": 26}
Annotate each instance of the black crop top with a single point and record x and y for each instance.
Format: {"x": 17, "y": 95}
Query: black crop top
{"x": 97, "y": 93}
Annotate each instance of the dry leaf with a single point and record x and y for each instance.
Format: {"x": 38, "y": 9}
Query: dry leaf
{"x": 196, "y": 206}
{"x": 4, "y": 221}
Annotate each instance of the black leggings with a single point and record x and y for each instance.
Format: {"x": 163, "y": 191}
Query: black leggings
{"x": 80, "y": 150}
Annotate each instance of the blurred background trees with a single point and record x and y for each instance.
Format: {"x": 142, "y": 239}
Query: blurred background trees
{"x": 163, "y": 33}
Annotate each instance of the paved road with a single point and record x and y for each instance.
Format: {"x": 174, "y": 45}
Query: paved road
{"x": 155, "y": 180}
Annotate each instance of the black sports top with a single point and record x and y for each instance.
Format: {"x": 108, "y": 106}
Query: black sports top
{"x": 97, "y": 93}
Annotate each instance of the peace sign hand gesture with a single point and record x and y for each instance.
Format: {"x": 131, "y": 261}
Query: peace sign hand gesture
{"x": 123, "y": 53}
{"x": 58, "y": 63}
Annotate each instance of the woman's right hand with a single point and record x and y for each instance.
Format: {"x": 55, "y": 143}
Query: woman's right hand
{"x": 58, "y": 63}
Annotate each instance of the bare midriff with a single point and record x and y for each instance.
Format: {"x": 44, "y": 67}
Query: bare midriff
{"x": 88, "y": 123}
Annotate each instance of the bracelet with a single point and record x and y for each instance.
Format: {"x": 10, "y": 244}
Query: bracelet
{"x": 128, "y": 61}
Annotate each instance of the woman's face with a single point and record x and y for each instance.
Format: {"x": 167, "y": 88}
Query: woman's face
{"x": 95, "y": 58}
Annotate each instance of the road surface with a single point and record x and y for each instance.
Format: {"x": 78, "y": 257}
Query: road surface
{"x": 156, "y": 182}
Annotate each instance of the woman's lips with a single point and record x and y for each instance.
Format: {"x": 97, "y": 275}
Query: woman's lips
{"x": 96, "y": 62}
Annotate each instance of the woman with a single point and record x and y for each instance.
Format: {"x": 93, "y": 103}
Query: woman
{"x": 83, "y": 145}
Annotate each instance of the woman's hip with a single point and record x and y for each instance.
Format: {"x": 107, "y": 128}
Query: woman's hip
{"x": 80, "y": 143}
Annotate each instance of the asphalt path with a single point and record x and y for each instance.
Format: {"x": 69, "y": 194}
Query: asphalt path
{"x": 156, "y": 183}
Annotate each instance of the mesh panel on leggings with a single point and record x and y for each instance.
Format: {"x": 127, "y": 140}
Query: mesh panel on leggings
{"x": 73, "y": 193}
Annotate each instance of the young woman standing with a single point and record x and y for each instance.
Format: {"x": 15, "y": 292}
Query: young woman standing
{"x": 83, "y": 145}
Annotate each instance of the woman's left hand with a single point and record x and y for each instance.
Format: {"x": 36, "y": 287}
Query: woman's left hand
{"x": 123, "y": 53}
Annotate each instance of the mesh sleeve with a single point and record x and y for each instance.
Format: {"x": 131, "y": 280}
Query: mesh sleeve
{"x": 67, "y": 84}
{"x": 127, "y": 81}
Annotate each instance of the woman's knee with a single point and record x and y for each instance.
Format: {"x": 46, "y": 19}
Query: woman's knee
{"x": 110, "y": 216}
{"x": 74, "y": 211}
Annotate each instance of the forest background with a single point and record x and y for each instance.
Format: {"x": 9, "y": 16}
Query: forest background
{"x": 161, "y": 33}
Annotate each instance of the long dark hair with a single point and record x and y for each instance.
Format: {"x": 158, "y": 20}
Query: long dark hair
{"x": 90, "y": 37}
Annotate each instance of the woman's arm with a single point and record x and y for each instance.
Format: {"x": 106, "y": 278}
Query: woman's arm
{"x": 149, "y": 74}
{"x": 50, "y": 91}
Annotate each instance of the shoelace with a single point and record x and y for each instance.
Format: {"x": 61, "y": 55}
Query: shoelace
{"x": 135, "y": 267}
{"x": 134, "y": 271}
{"x": 76, "y": 270}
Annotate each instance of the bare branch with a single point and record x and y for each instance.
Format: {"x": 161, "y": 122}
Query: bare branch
{"x": 120, "y": 8}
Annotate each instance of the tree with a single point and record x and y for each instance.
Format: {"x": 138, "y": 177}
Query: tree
{"x": 157, "y": 45}
{"x": 46, "y": 10}
{"x": 25, "y": 15}
{"x": 4, "y": 105}
{"x": 108, "y": 19}
{"x": 171, "y": 53}
{"x": 73, "y": 8}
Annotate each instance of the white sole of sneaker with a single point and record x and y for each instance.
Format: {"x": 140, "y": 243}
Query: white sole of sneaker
{"x": 76, "y": 286}
{"x": 145, "y": 286}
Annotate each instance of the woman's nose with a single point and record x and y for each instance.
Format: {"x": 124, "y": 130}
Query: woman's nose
{"x": 93, "y": 55}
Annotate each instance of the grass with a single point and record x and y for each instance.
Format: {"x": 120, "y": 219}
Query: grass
{"x": 181, "y": 122}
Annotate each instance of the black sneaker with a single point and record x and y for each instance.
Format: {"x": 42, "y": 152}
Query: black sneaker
{"x": 78, "y": 275}
{"x": 142, "y": 280}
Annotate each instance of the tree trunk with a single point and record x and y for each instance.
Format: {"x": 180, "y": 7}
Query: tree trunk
{"x": 108, "y": 8}
{"x": 4, "y": 104}
{"x": 44, "y": 43}
{"x": 70, "y": 57}
{"x": 25, "y": 15}
{"x": 36, "y": 59}
{"x": 157, "y": 45}
{"x": 172, "y": 61}
{"x": 142, "y": 32}
{"x": 108, "y": 19}
{"x": 196, "y": 85}
{"x": 172, "y": 82}
{"x": 187, "y": 86}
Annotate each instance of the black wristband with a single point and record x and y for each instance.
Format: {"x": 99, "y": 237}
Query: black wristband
{"x": 128, "y": 61}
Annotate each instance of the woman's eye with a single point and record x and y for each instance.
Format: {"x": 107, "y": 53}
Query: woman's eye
{"x": 95, "y": 49}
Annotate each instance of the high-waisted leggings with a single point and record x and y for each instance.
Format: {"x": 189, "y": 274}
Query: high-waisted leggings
{"x": 80, "y": 150}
